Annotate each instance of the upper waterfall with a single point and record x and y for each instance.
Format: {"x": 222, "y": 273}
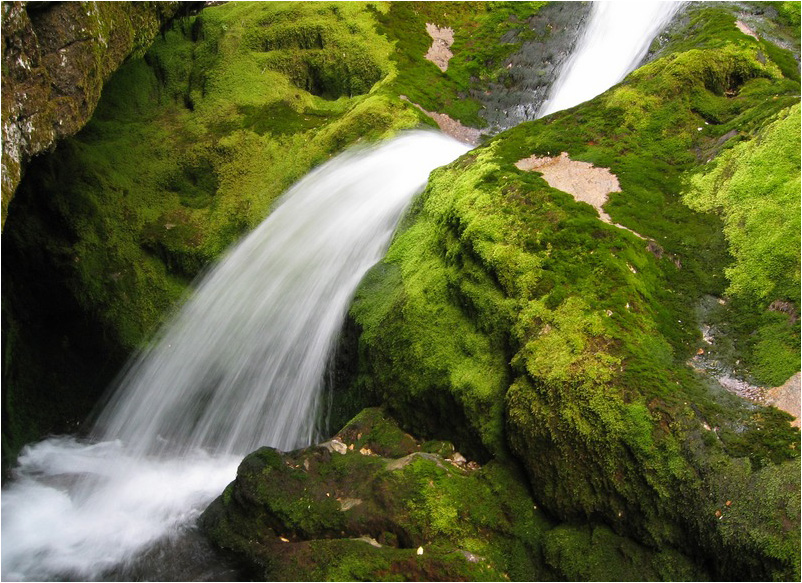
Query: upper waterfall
{"x": 615, "y": 41}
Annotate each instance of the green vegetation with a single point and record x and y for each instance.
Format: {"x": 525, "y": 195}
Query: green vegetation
{"x": 493, "y": 266}
{"x": 506, "y": 318}
{"x": 755, "y": 187}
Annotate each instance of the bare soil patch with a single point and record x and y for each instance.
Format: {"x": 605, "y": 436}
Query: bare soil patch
{"x": 582, "y": 180}
{"x": 787, "y": 396}
{"x": 450, "y": 126}
{"x": 442, "y": 39}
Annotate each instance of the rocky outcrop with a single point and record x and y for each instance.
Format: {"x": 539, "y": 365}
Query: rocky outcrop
{"x": 374, "y": 503}
{"x": 56, "y": 57}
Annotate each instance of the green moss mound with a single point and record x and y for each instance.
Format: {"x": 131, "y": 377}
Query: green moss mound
{"x": 550, "y": 335}
{"x": 362, "y": 505}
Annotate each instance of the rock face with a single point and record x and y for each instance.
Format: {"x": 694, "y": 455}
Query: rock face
{"x": 373, "y": 502}
{"x": 56, "y": 57}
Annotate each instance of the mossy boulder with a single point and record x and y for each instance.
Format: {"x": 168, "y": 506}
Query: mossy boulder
{"x": 364, "y": 504}
{"x": 546, "y": 334}
{"x": 373, "y": 504}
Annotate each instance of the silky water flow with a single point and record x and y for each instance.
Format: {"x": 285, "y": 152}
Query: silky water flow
{"x": 239, "y": 366}
{"x": 615, "y": 41}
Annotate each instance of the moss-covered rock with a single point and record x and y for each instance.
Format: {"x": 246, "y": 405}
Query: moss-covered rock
{"x": 56, "y": 58}
{"x": 541, "y": 329}
{"x": 362, "y": 505}
{"x": 372, "y": 504}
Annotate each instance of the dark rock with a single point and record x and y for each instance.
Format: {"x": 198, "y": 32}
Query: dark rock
{"x": 546, "y": 43}
{"x": 56, "y": 57}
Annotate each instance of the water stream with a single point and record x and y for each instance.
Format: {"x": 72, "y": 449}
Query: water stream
{"x": 241, "y": 364}
{"x": 616, "y": 39}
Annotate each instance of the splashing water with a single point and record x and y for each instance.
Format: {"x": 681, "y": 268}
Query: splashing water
{"x": 240, "y": 366}
{"x": 616, "y": 39}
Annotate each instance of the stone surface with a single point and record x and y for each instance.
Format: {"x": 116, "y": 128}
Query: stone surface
{"x": 56, "y": 57}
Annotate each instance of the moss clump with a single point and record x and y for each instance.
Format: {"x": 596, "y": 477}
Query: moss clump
{"x": 595, "y": 553}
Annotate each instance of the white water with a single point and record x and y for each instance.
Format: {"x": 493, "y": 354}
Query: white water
{"x": 240, "y": 366}
{"x": 616, "y": 40}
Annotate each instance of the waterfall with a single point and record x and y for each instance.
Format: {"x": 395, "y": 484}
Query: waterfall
{"x": 615, "y": 41}
{"x": 239, "y": 366}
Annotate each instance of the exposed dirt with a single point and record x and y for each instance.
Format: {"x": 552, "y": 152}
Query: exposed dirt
{"x": 786, "y": 397}
{"x": 442, "y": 39}
{"x": 582, "y": 180}
{"x": 745, "y": 29}
{"x": 450, "y": 126}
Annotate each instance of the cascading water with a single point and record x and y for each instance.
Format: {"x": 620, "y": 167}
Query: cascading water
{"x": 615, "y": 41}
{"x": 240, "y": 366}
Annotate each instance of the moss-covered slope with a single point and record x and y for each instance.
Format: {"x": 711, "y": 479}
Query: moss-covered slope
{"x": 535, "y": 329}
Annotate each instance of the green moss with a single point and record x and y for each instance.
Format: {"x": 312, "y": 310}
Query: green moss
{"x": 755, "y": 187}
{"x": 597, "y": 554}
{"x": 478, "y": 49}
{"x": 596, "y": 323}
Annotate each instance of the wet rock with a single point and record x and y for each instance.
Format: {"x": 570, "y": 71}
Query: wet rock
{"x": 308, "y": 514}
{"x": 56, "y": 57}
{"x": 546, "y": 40}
